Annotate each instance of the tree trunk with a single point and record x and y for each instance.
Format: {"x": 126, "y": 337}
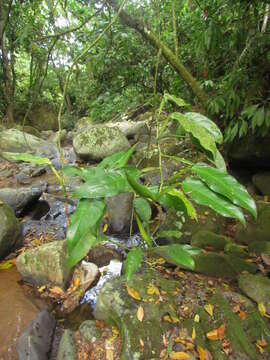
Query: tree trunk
{"x": 153, "y": 39}
{"x": 9, "y": 81}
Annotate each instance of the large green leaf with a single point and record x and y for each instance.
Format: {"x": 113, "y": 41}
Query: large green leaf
{"x": 227, "y": 186}
{"x": 203, "y": 195}
{"x": 118, "y": 160}
{"x": 26, "y": 158}
{"x": 207, "y": 124}
{"x": 204, "y": 138}
{"x": 106, "y": 183}
{"x": 177, "y": 254}
{"x": 140, "y": 189}
{"x": 133, "y": 262}
{"x": 143, "y": 209}
{"x": 190, "y": 210}
{"x": 83, "y": 229}
{"x": 220, "y": 162}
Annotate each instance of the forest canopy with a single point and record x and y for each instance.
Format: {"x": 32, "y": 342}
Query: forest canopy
{"x": 214, "y": 54}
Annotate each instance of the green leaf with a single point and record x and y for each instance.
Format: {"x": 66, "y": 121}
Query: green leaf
{"x": 259, "y": 116}
{"x": 84, "y": 173}
{"x": 207, "y": 124}
{"x": 201, "y": 194}
{"x": 220, "y": 162}
{"x": 103, "y": 184}
{"x": 250, "y": 111}
{"x": 118, "y": 160}
{"x": 206, "y": 141}
{"x": 143, "y": 209}
{"x": 140, "y": 189}
{"x": 83, "y": 229}
{"x": 26, "y": 158}
{"x": 227, "y": 186}
{"x": 191, "y": 212}
{"x": 143, "y": 232}
{"x": 177, "y": 254}
{"x": 178, "y": 101}
{"x": 133, "y": 262}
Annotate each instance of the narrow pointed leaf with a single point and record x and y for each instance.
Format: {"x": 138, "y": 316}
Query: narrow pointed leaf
{"x": 140, "y": 189}
{"x": 26, "y": 158}
{"x": 143, "y": 232}
{"x": 203, "y": 195}
{"x": 205, "y": 140}
{"x": 177, "y": 100}
{"x": 133, "y": 262}
{"x": 227, "y": 186}
{"x": 190, "y": 210}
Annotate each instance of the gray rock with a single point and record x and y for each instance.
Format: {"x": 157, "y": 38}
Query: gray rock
{"x": 45, "y": 264}
{"x": 89, "y": 331}
{"x": 119, "y": 209}
{"x": 83, "y": 122}
{"x": 257, "y": 288}
{"x": 35, "y": 342}
{"x": 262, "y": 182}
{"x": 97, "y": 142}
{"x": 67, "y": 347}
{"x": 128, "y": 127}
{"x": 14, "y": 140}
{"x": 10, "y": 230}
{"x": 18, "y": 199}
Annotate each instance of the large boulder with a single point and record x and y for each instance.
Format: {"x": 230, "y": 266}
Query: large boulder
{"x": 43, "y": 117}
{"x": 35, "y": 342}
{"x": 97, "y": 142}
{"x": 262, "y": 182}
{"x": 250, "y": 152}
{"x": 116, "y": 306}
{"x": 14, "y": 140}
{"x": 18, "y": 199}
{"x": 45, "y": 264}
{"x": 128, "y": 127}
{"x": 10, "y": 230}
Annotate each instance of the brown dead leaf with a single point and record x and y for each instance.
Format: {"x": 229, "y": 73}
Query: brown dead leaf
{"x": 242, "y": 315}
{"x": 179, "y": 355}
{"x": 141, "y": 343}
{"x": 204, "y": 354}
{"x": 140, "y": 313}
{"x": 133, "y": 293}
{"x": 57, "y": 291}
{"x": 212, "y": 335}
{"x": 236, "y": 308}
{"x": 266, "y": 259}
{"x": 100, "y": 324}
{"x": 221, "y": 331}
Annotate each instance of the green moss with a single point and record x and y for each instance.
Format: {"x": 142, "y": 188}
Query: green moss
{"x": 259, "y": 247}
{"x": 206, "y": 239}
{"x": 235, "y": 249}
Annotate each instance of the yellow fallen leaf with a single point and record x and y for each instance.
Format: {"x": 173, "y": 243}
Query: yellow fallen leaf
{"x": 133, "y": 293}
{"x": 152, "y": 289}
{"x": 212, "y": 335}
{"x": 77, "y": 281}
{"x": 105, "y": 228}
{"x": 41, "y": 289}
{"x": 175, "y": 319}
{"x": 262, "y": 310}
{"x": 193, "y": 333}
{"x": 261, "y": 350}
{"x": 141, "y": 343}
{"x": 140, "y": 313}
{"x": 262, "y": 343}
{"x": 4, "y": 265}
{"x": 209, "y": 308}
{"x": 167, "y": 318}
{"x": 179, "y": 355}
{"x": 201, "y": 352}
{"x": 197, "y": 318}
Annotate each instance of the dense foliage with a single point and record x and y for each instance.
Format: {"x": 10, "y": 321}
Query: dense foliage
{"x": 223, "y": 44}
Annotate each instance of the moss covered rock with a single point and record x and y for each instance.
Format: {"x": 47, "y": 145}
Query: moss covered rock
{"x": 45, "y": 264}
{"x": 97, "y": 142}
{"x": 14, "y": 140}
{"x": 236, "y": 250}
{"x": 208, "y": 239}
{"x": 43, "y": 117}
{"x": 259, "y": 247}
{"x": 255, "y": 230}
{"x": 83, "y": 122}
{"x": 116, "y": 306}
{"x": 10, "y": 230}
{"x": 262, "y": 182}
{"x": 256, "y": 287}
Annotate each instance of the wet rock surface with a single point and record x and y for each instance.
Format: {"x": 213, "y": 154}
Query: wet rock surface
{"x": 35, "y": 342}
{"x": 10, "y": 230}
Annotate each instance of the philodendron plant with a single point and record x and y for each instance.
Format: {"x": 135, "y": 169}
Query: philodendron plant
{"x": 207, "y": 184}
